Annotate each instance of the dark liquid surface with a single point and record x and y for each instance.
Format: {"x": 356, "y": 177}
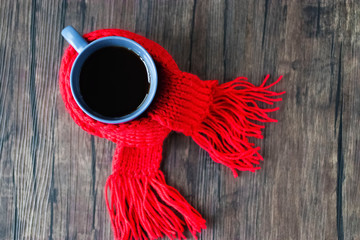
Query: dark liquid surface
{"x": 113, "y": 81}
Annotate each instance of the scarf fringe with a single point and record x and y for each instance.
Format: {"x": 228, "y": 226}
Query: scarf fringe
{"x": 225, "y": 131}
{"x": 142, "y": 207}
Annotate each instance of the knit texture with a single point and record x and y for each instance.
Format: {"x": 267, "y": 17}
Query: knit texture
{"x": 221, "y": 118}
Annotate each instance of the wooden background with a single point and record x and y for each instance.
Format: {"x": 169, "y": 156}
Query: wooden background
{"x": 52, "y": 173}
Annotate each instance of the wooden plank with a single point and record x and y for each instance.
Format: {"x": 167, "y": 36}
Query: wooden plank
{"x": 348, "y": 188}
{"x": 52, "y": 173}
{"x": 19, "y": 140}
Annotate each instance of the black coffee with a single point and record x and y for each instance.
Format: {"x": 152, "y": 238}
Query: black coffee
{"x": 114, "y": 81}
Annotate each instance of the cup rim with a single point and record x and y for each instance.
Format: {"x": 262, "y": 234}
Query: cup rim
{"x": 150, "y": 68}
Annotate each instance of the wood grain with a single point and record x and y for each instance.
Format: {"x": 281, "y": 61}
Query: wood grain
{"x": 52, "y": 173}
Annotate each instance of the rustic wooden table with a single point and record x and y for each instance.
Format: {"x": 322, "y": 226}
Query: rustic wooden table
{"x": 52, "y": 173}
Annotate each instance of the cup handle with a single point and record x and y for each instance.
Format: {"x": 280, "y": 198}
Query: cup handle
{"x": 74, "y": 38}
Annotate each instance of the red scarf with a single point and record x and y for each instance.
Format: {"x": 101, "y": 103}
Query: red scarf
{"x": 220, "y": 119}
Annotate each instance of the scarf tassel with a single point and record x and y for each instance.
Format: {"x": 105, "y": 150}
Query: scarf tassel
{"x": 142, "y": 207}
{"x": 225, "y": 131}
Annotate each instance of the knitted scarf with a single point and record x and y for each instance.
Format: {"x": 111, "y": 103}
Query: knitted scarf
{"x": 220, "y": 119}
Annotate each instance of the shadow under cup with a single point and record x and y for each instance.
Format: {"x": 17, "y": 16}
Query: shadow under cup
{"x": 106, "y": 42}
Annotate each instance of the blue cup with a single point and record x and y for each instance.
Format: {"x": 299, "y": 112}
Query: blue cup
{"x": 85, "y": 49}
